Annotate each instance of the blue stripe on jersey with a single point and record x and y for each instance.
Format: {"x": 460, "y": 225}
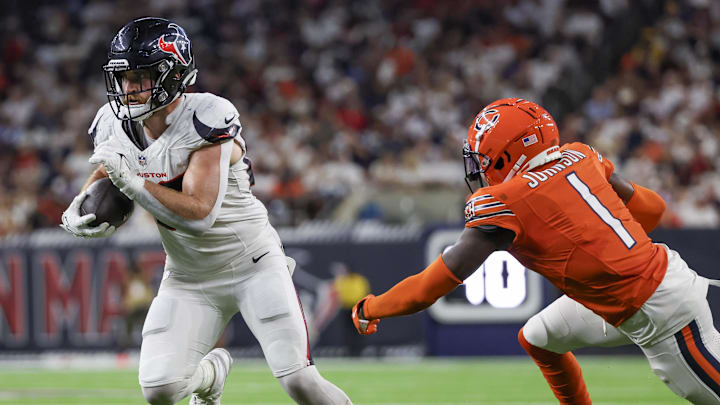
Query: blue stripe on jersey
{"x": 494, "y": 214}
{"x": 489, "y": 205}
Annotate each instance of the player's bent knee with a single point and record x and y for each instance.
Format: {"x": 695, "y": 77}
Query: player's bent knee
{"x": 166, "y": 394}
{"x": 535, "y": 332}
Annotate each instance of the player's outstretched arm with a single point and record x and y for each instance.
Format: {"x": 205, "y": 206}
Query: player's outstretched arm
{"x": 645, "y": 205}
{"x": 421, "y": 290}
{"x": 473, "y": 247}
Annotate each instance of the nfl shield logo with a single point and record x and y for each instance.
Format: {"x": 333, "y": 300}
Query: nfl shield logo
{"x": 142, "y": 160}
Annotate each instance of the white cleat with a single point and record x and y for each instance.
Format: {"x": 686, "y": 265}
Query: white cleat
{"x": 221, "y": 361}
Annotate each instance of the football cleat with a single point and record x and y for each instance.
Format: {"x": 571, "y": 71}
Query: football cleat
{"x": 221, "y": 362}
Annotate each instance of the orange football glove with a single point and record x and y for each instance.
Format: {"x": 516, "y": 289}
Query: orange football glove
{"x": 363, "y": 326}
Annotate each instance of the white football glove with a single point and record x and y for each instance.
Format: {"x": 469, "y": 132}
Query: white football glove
{"x": 118, "y": 169}
{"x": 79, "y": 225}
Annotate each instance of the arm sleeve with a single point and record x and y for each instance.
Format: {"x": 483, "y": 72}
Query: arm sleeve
{"x": 413, "y": 294}
{"x": 197, "y": 226}
{"x": 646, "y": 206}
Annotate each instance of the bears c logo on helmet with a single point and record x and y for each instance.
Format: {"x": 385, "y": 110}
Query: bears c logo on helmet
{"x": 486, "y": 120}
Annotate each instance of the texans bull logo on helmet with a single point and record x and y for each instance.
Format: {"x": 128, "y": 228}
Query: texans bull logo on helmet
{"x": 176, "y": 44}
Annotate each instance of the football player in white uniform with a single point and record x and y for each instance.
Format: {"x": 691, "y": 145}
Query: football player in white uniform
{"x": 180, "y": 156}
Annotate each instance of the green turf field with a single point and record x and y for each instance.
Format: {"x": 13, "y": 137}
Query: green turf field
{"x": 514, "y": 380}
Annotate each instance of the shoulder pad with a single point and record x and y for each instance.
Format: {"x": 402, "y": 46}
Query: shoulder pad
{"x": 99, "y": 116}
{"x": 215, "y": 119}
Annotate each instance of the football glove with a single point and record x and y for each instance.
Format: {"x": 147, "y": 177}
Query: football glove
{"x": 363, "y": 326}
{"x": 79, "y": 225}
{"x": 118, "y": 169}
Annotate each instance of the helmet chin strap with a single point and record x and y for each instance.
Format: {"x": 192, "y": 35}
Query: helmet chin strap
{"x": 548, "y": 155}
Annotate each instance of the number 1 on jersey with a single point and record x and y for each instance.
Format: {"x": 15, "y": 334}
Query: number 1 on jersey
{"x": 605, "y": 215}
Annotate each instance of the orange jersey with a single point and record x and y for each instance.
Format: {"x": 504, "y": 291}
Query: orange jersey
{"x": 571, "y": 227}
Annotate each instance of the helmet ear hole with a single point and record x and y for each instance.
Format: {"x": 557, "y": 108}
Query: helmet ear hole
{"x": 499, "y": 164}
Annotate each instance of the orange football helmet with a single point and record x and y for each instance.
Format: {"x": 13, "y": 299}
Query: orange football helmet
{"x": 509, "y": 136}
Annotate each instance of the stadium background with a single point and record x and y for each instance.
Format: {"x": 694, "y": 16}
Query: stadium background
{"x": 353, "y": 112}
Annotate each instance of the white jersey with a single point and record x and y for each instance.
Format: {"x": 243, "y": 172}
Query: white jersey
{"x": 201, "y": 119}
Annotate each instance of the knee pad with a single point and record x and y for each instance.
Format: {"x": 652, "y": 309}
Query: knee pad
{"x": 166, "y": 394}
{"x": 535, "y": 332}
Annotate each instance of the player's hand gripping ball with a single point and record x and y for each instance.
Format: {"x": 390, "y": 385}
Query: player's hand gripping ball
{"x": 107, "y": 203}
{"x": 363, "y": 326}
{"x": 80, "y": 217}
{"x": 118, "y": 168}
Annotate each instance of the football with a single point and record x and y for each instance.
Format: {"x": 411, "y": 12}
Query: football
{"x": 107, "y": 202}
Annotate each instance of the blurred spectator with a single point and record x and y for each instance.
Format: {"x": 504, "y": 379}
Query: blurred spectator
{"x": 663, "y": 130}
{"x": 137, "y": 297}
{"x": 342, "y": 98}
{"x": 351, "y": 287}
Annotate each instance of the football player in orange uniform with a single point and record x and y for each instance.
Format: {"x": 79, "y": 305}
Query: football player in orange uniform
{"x": 564, "y": 213}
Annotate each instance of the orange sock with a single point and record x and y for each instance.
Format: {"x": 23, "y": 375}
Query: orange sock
{"x": 561, "y": 371}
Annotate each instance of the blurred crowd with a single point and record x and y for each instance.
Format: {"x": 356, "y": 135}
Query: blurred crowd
{"x": 339, "y": 97}
{"x": 659, "y": 116}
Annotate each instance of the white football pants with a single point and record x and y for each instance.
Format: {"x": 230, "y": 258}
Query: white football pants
{"x": 674, "y": 329}
{"x": 192, "y": 309}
